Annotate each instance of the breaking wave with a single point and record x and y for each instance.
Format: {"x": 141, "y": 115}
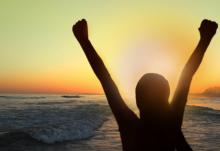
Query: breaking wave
{"x": 22, "y": 97}
{"x": 51, "y": 125}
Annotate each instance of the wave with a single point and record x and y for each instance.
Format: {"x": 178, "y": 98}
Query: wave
{"x": 50, "y": 124}
{"x": 58, "y": 125}
{"x": 22, "y": 97}
{"x": 202, "y": 112}
{"x": 10, "y": 139}
{"x": 196, "y": 107}
{"x": 50, "y": 103}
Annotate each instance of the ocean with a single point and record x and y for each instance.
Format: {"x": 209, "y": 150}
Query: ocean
{"x": 80, "y": 122}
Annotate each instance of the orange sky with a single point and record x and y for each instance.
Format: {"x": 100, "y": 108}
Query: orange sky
{"x": 39, "y": 53}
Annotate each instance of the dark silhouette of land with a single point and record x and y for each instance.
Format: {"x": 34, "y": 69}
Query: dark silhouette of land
{"x": 212, "y": 92}
{"x": 159, "y": 125}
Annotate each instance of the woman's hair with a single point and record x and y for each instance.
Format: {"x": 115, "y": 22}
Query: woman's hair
{"x": 152, "y": 92}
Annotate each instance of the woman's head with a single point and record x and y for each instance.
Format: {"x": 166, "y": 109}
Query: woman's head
{"x": 152, "y": 93}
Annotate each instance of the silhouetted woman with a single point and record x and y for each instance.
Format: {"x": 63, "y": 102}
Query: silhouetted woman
{"x": 159, "y": 125}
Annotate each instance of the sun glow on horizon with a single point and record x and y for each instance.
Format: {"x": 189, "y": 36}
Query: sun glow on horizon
{"x": 40, "y": 54}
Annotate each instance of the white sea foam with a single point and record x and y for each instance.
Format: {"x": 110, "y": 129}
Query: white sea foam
{"x": 78, "y": 124}
{"x": 56, "y": 119}
{"x": 54, "y": 124}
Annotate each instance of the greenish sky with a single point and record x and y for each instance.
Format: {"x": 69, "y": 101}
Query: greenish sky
{"x": 38, "y": 52}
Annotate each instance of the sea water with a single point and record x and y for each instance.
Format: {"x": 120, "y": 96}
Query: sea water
{"x": 85, "y": 123}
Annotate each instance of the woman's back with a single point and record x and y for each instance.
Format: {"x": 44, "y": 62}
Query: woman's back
{"x": 148, "y": 134}
{"x": 156, "y": 129}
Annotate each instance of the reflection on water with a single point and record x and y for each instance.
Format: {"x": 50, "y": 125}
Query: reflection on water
{"x": 71, "y": 118}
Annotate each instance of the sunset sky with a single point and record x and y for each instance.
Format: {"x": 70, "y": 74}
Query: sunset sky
{"x": 38, "y": 53}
